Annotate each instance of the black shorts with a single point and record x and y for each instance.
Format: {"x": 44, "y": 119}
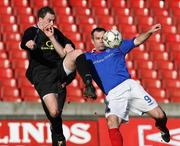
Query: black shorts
{"x": 48, "y": 80}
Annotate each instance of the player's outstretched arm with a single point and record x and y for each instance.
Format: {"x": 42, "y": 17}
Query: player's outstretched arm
{"x": 144, "y": 36}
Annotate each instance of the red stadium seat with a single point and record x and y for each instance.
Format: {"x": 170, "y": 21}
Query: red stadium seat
{"x": 155, "y": 46}
{"x": 159, "y": 55}
{"x": 124, "y": 28}
{"x": 177, "y": 64}
{"x": 17, "y": 54}
{"x": 138, "y": 55}
{"x": 174, "y": 56}
{"x": 65, "y": 19}
{"x": 171, "y": 83}
{"x": 10, "y": 94}
{"x": 81, "y": 11}
{"x": 8, "y": 82}
{"x": 129, "y": 64}
{"x": 173, "y": 47}
{"x": 121, "y": 11}
{"x": 100, "y": 11}
{"x": 167, "y": 74}
{"x": 83, "y": 20}
{"x": 23, "y": 82}
{"x": 9, "y": 28}
{"x": 145, "y": 20}
{"x": 136, "y": 4}
{"x": 4, "y": 3}
{"x": 13, "y": 45}
{"x": 74, "y": 94}
{"x": 75, "y": 83}
{"x": 3, "y": 55}
{"x": 151, "y": 83}
{"x": 4, "y": 63}
{"x": 63, "y": 10}
{"x": 68, "y": 27}
{"x": 156, "y": 38}
{"x": 78, "y": 3}
{"x": 74, "y": 91}
{"x": 99, "y": 3}
{"x": 158, "y": 94}
{"x": 30, "y": 19}
{"x": 133, "y": 73}
{"x": 21, "y": 10}
{"x": 6, "y": 10}
{"x": 173, "y": 38}
{"x": 155, "y": 4}
{"x": 100, "y": 96}
{"x": 12, "y": 36}
{"x": 169, "y": 29}
{"x": 159, "y": 11}
{"x": 164, "y": 20}
{"x": 74, "y": 36}
{"x": 20, "y": 63}
{"x": 60, "y": 4}
{"x": 85, "y": 29}
{"x": 79, "y": 45}
{"x": 6, "y": 73}
{"x": 8, "y": 19}
{"x": 147, "y": 73}
{"x": 124, "y": 19}
{"x": 140, "y": 12}
{"x": 29, "y": 94}
{"x": 145, "y": 65}
{"x": 173, "y": 4}
{"x": 2, "y": 46}
{"x": 161, "y": 64}
{"x": 105, "y": 19}
{"x": 20, "y": 72}
{"x": 119, "y": 4}
{"x": 40, "y": 3}
{"x": 22, "y": 3}
{"x": 173, "y": 94}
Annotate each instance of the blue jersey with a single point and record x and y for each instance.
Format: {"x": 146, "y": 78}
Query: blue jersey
{"x": 108, "y": 67}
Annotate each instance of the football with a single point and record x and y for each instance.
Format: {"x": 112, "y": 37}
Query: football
{"x": 112, "y": 38}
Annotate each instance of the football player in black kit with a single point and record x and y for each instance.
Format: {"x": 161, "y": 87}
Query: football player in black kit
{"x": 52, "y": 64}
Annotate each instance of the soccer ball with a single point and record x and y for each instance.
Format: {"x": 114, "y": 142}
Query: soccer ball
{"x": 112, "y": 38}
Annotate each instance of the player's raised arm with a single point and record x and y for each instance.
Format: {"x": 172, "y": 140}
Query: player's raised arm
{"x": 49, "y": 32}
{"x": 144, "y": 36}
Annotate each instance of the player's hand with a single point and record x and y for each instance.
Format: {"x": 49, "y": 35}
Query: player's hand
{"x": 68, "y": 48}
{"x": 155, "y": 28}
{"x": 30, "y": 44}
{"x": 48, "y": 30}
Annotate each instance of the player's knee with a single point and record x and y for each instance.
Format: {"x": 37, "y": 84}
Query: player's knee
{"x": 160, "y": 114}
{"x": 73, "y": 55}
{"x": 112, "y": 122}
{"x": 54, "y": 113}
{"x": 77, "y": 53}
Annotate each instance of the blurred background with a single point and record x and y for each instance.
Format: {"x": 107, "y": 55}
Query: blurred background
{"x": 155, "y": 64}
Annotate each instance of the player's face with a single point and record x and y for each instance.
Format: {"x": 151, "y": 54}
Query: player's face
{"x": 98, "y": 40}
{"x": 48, "y": 20}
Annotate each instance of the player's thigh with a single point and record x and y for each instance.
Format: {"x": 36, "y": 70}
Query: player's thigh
{"x": 141, "y": 101}
{"x": 70, "y": 59}
{"x": 156, "y": 113}
{"x": 51, "y": 102}
{"x": 113, "y": 121}
{"x": 118, "y": 106}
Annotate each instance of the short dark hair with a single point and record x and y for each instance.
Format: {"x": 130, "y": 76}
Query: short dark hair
{"x": 98, "y": 29}
{"x": 44, "y": 10}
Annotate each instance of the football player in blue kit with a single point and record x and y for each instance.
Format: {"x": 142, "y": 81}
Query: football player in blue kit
{"x": 123, "y": 94}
